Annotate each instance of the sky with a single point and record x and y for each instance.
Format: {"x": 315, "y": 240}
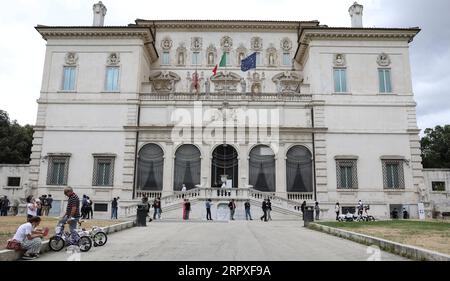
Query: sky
{"x": 22, "y": 49}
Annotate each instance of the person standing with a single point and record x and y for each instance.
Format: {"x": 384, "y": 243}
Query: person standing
{"x": 84, "y": 204}
{"x": 247, "y": 210}
{"x": 38, "y": 207}
{"x": 90, "y": 209}
{"x": 360, "y": 207}
{"x": 269, "y": 209}
{"x": 31, "y": 207}
{"x": 158, "y": 209}
{"x": 302, "y": 208}
{"x": 4, "y": 206}
{"x": 114, "y": 209}
{"x": 317, "y": 209}
{"x": 264, "y": 209}
{"x": 72, "y": 214}
{"x": 50, "y": 202}
{"x": 232, "y": 207}
{"x": 208, "y": 210}
{"x": 44, "y": 201}
{"x": 187, "y": 209}
{"x": 337, "y": 209}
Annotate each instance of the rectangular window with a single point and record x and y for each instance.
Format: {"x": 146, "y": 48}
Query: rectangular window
{"x": 13, "y": 181}
{"x": 287, "y": 59}
{"x": 58, "y": 167}
{"x": 340, "y": 80}
{"x": 196, "y": 58}
{"x": 69, "y": 78}
{"x": 385, "y": 80}
{"x": 112, "y": 79}
{"x": 347, "y": 209}
{"x": 166, "y": 58}
{"x": 346, "y": 174}
{"x": 438, "y": 186}
{"x": 103, "y": 171}
{"x": 393, "y": 174}
{"x": 258, "y": 58}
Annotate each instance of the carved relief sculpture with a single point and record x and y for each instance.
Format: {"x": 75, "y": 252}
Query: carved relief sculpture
{"x": 383, "y": 60}
{"x": 286, "y": 44}
{"x": 164, "y": 81}
{"x": 256, "y": 81}
{"x": 226, "y": 82}
{"x": 166, "y": 44}
{"x": 256, "y": 44}
{"x": 196, "y": 44}
{"x": 226, "y": 43}
{"x": 240, "y": 51}
{"x": 71, "y": 58}
{"x": 288, "y": 82}
{"x": 339, "y": 60}
{"x": 113, "y": 59}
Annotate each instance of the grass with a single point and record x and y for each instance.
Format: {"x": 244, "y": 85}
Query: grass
{"x": 432, "y": 235}
{"x": 9, "y": 225}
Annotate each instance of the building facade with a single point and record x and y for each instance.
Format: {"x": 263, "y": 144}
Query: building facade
{"x": 327, "y": 115}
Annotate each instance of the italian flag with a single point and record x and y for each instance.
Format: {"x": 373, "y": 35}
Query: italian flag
{"x": 223, "y": 63}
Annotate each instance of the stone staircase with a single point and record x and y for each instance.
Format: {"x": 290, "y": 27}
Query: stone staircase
{"x": 172, "y": 204}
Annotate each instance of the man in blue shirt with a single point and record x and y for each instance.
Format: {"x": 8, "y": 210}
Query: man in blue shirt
{"x": 208, "y": 209}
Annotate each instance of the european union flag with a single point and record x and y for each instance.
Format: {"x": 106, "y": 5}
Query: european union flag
{"x": 248, "y": 63}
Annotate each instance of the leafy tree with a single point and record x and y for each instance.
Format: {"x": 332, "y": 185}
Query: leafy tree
{"x": 15, "y": 141}
{"x": 436, "y": 147}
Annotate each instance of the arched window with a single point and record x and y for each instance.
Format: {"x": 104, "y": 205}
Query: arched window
{"x": 150, "y": 168}
{"x": 299, "y": 170}
{"x": 262, "y": 168}
{"x": 187, "y": 167}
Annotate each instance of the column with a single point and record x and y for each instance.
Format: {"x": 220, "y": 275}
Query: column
{"x": 168, "y": 173}
{"x": 280, "y": 171}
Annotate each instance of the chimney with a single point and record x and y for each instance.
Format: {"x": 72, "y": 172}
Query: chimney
{"x": 356, "y": 13}
{"x": 99, "y": 14}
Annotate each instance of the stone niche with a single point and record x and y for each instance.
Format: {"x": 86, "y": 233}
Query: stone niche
{"x": 164, "y": 81}
{"x": 226, "y": 81}
{"x": 288, "y": 82}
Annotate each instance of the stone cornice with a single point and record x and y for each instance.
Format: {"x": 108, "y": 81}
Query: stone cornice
{"x": 66, "y": 32}
{"x": 226, "y": 24}
{"x": 341, "y": 33}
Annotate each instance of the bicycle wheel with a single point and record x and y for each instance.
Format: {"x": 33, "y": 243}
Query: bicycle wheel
{"x": 85, "y": 243}
{"x": 56, "y": 243}
{"x": 100, "y": 239}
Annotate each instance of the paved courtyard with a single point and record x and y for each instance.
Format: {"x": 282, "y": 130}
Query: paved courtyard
{"x": 217, "y": 241}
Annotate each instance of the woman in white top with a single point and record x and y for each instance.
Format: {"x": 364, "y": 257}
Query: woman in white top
{"x": 30, "y": 238}
{"x": 31, "y": 207}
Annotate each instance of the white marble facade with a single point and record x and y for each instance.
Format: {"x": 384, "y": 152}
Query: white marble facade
{"x": 156, "y": 101}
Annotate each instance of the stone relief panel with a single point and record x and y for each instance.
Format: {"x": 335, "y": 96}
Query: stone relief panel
{"x": 339, "y": 60}
{"x": 164, "y": 81}
{"x": 113, "y": 59}
{"x": 384, "y": 60}
{"x": 71, "y": 58}
{"x": 211, "y": 55}
{"x": 286, "y": 44}
{"x": 166, "y": 44}
{"x": 256, "y": 43}
{"x": 226, "y": 82}
{"x": 288, "y": 82}
{"x": 181, "y": 55}
{"x": 226, "y": 43}
{"x": 195, "y": 81}
{"x": 256, "y": 82}
{"x": 196, "y": 44}
{"x": 271, "y": 56}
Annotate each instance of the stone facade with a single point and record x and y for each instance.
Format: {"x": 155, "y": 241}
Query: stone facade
{"x": 166, "y": 95}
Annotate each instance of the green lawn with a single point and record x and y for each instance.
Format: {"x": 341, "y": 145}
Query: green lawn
{"x": 433, "y": 235}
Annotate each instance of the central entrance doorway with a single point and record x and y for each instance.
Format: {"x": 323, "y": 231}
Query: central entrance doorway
{"x": 224, "y": 162}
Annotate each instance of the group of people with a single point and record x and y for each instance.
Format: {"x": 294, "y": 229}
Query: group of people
{"x": 316, "y": 210}
{"x": 157, "y": 209}
{"x": 266, "y": 208}
{"x": 28, "y": 236}
{"x": 86, "y": 208}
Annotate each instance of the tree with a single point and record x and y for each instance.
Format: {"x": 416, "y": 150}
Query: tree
{"x": 436, "y": 147}
{"x": 15, "y": 141}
